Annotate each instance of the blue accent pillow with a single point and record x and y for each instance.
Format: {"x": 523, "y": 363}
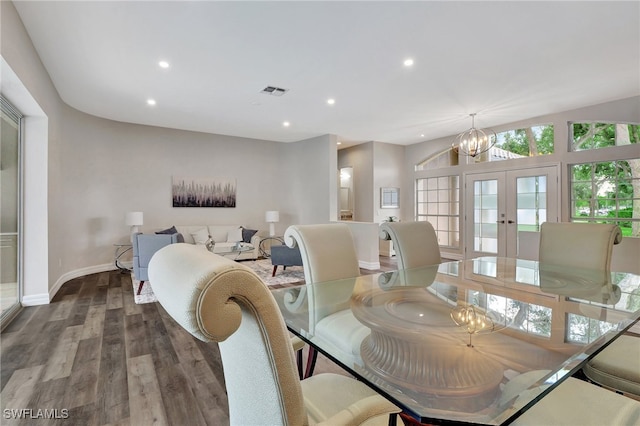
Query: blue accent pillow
{"x": 247, "y": 234}
{"x": 171, "y": 230}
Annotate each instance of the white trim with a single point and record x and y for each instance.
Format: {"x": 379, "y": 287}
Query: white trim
{"x": 368, "y": 265}
{"x": 74, "y": 274}
{"x": 35, "y": 299}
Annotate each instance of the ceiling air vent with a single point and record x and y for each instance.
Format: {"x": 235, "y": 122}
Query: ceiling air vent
{"x": 274, "y": 91}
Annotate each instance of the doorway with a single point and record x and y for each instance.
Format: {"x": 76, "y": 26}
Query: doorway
{"x": 501, "y": 205}
{"x": 9, "y": 209}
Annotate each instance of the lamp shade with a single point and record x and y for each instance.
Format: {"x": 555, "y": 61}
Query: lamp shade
{"x": 134, "y": 218}
{"x": 272, "y": 216}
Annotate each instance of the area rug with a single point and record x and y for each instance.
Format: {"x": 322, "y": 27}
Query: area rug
{"x": 146, "y": 295}
{"x": 263, "y": 268}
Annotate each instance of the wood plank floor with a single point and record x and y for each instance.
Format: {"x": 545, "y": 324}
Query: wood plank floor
{"x": 97, "y": 358}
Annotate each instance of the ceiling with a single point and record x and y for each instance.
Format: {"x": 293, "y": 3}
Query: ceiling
{"x": 507, "y": 61}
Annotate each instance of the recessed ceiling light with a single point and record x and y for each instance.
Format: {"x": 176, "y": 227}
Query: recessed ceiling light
{"x": 422, "y": 135}
{"x": 151, "y": 102}
{"x": 408, "y": 62}
{"x": 339, "y": 143}
{"x": 163, "y": 64}
{"x": 286, "y": 124}
{"x": 331, "y": 101}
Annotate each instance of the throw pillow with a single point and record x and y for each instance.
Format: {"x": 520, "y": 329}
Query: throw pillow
{"x": 171, "y": 230}
{"x": 247, "y": 234}
{"x": 234, "y": 236}
{"x": 200, "y": 236}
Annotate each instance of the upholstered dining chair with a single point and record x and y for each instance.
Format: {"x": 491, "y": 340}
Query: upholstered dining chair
{"x": 589, "y": 247}
{"x": 415, "y": 243}
{"x": 328, "y": 254}
{"x": 573, "y": 402}
{"x": 578, "y": 245}
{"x": 218, "y": 300}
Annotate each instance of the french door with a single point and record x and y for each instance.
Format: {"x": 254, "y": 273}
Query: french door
{"x": 500, "y": 205}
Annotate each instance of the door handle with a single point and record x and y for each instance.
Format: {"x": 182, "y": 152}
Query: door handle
{"x": 500, "y": 221}
{"x": 511, "y": 221}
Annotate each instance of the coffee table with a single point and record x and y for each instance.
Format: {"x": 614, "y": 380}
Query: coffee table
{"x": 236, "y": 250}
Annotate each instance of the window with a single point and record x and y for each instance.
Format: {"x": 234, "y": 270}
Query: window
{"x": 586, "y": 136}
{"x": 526, "y": 142}
{"x": 607, "y": 192}
{"x": 511, "y": 144}
{"x": 446, "y": 158}
{"x": 438, "y": 201}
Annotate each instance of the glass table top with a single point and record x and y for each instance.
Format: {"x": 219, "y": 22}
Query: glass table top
{"x": 476, "y": 341}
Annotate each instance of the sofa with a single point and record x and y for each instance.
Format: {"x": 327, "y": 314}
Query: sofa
{"x": 224, "y": 238}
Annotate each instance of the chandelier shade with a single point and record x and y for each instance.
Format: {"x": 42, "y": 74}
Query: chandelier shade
{"x": 474, "y": 142}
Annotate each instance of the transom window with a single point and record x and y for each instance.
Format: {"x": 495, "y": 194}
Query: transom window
{"x": 593, "y": 135}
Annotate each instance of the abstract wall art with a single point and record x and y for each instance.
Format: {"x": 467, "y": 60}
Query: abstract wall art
{"x": 203, "y": 192}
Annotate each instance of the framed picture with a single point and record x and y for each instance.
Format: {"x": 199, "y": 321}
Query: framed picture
{"x": 203, "y": 192}
{"x": 389, "y": 198}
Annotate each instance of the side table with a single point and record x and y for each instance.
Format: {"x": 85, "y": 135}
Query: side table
{"x": 262, "y": 246}
{"x": 121, "y": 249}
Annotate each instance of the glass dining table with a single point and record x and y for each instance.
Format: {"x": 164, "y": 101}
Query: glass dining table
{"x": 476, "y": 341}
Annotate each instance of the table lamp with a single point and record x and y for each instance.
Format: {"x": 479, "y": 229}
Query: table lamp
{"x": 272, "y": 217}
{"x": 134, "y": 220}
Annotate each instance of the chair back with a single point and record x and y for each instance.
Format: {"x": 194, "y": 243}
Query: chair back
{"x": 219, "y": 300}
{"x": 144, "y": 247}
{"x": 578, "y": 245}
{"x": 415, "y": 243}
{"x": 328, "y": 251}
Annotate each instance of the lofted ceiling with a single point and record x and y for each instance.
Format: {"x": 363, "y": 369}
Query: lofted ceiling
{"x": 507, "y": 61}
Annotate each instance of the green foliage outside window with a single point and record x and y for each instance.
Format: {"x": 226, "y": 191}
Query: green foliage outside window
{"x": 602, "y": 135}
{"x": 528, "y": 142}
{"x": 609, "y": 191}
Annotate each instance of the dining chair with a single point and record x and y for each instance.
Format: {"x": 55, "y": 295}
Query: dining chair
{"x": 415, "y": 243}
{"x": 588, "y": 248}
{"x": 572, "y": 402}
{"x": 578, "y": 245}
{"x": 218, "y": 300}
{"x": 328, "y": 254}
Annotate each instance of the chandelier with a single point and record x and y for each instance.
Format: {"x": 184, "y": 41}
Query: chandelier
{"x": 474, "y": 142}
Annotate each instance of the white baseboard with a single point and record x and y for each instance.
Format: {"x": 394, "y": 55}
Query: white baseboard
{"x": 71, "y": 275}
{"x": 35, "y": 299}
{"x": 368, "y": 265}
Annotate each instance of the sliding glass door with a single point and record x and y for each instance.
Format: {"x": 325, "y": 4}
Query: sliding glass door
{"x": 9, "y": 209}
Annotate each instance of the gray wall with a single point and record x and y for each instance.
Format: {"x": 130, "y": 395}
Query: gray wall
{"x": 360, "y": 157}
{"x": 98, "y": 169}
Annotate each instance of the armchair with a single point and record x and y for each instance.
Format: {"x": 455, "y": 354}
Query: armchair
{"x": 144, "y": 247}
{"x": 218, "y": 300}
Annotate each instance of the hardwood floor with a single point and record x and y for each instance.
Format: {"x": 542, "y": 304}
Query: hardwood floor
{"x": 94, "y": 357}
